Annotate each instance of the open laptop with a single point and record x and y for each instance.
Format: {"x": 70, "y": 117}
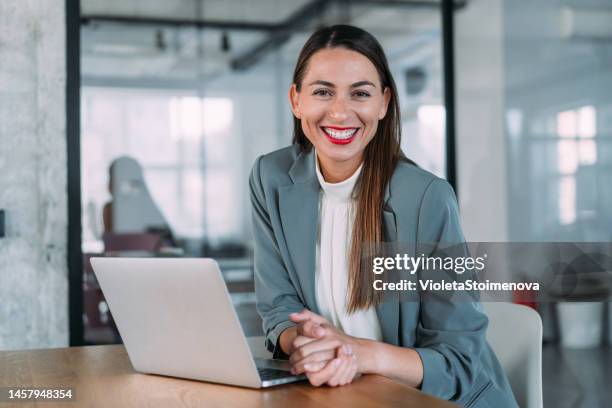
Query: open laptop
{"x": 176, "y": 318}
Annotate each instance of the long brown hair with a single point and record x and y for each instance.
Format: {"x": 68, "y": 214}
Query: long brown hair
{"x": 381, "y": 156}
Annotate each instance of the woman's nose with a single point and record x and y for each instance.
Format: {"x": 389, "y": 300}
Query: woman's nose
{"x": 339, "y": 109}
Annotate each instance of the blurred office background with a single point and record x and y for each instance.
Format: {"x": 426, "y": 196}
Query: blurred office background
{"x": 178, "y": 98}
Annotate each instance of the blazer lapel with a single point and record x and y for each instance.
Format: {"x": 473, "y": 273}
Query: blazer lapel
{"x": 299, "y": 212}
{"x": 388, "y": 318}
{"x": 389, "y": 227}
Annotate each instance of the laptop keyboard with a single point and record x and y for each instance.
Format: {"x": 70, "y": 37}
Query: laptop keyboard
{"x": 268, "y": 374}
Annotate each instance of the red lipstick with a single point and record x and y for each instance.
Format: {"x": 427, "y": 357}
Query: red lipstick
{"x": 339, "y": 128}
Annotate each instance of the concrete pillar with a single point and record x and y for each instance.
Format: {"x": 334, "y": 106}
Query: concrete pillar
{"x": 33, "y": 267}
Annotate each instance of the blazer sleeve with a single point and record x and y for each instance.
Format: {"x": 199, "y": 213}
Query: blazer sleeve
{"x": 275, "y": 294}
{"x": 451, "y": 334}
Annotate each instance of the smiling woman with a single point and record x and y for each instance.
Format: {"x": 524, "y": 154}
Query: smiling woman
{"x": 343, "y": 183}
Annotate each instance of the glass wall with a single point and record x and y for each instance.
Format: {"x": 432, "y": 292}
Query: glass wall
{"x": 558, "y": 105}
{"x": 534, "y": 142}
{"x": 533, "y": 115}
{"x": 178, "y": 137}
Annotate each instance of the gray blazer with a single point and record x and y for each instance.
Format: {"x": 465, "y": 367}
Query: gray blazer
{"x": 458, "y": 363}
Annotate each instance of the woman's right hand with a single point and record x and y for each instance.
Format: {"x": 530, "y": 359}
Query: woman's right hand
{"x": 308, "y": 329}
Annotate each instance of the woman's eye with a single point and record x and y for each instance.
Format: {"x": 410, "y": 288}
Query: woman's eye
{"x": 322, "y": 92}
{"x": 361, "y": 94}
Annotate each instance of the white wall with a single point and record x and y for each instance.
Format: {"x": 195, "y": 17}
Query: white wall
{"x": 33, "y": 269}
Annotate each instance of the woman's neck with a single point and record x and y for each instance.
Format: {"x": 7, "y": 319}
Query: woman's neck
{"x": 335, "y": 171}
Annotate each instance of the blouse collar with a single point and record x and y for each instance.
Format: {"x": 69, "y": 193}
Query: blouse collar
{"x": 341, "y": 191}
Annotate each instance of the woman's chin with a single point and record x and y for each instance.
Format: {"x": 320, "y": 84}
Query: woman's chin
{"x": 338, "y": 153}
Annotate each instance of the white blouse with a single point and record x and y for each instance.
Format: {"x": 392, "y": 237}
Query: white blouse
{"x": 336, "y": 218}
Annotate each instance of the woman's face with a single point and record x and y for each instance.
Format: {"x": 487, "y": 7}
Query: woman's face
{"x": 339, "y": 105}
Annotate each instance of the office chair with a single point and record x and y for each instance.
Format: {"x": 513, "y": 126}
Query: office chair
{"x": 515, "y": 334}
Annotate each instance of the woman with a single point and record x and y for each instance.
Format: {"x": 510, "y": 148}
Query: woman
{"x": 344, "y": 182}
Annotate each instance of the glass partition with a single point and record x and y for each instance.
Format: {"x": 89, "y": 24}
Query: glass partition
{"x": 174, "y": 115}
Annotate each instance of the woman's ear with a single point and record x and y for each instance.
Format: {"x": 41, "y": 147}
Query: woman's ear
{"x": 294, "y": 100}
{"x": 386, "y": 99}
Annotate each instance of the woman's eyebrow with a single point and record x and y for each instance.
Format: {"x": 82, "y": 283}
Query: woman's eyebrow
{"x": 324, "y": 83}
{"x": 362, "y": 83}
{"x": 331, "y": 85}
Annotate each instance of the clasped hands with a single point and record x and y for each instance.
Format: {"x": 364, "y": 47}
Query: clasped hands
{"x": 323, "y": 353}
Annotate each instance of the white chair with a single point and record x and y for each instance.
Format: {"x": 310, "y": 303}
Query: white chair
{"x": 515, "y": 334}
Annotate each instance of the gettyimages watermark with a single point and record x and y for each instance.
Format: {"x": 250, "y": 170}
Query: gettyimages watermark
{"x": 491, "y": 271}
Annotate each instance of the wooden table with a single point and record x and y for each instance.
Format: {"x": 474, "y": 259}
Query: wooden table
{"x": 102, "y": 376}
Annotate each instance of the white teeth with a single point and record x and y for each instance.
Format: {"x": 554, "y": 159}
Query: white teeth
{"x": 340, "y": 134}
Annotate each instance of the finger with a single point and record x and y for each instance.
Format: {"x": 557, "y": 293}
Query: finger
{"x": 325, "y": 355}
{"x": 321, "y": 377}
{"x": 310, "y": 368}
{"x": 307, "y": 315}
{"x": 310, "y": 329}
{"x": 299, "y": 341}
{"x": 300, "y": 316}
{"x": 345, "y": 350}
{"x": 314, "y": 367}
{"x": 345, "y": 353}
{"x": 326, "y": 343}
{"x": 350, "y": 374}
{"x": 340, "y": 372}
{"x": 305, "y": 328}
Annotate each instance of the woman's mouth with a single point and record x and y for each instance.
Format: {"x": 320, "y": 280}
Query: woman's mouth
{"x": 340, "y": 135}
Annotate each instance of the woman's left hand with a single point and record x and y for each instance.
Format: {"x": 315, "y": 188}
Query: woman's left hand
{"x": 342, "y": 370}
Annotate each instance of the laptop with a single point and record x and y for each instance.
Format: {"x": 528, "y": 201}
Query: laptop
{"x": 176, "y": 318}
